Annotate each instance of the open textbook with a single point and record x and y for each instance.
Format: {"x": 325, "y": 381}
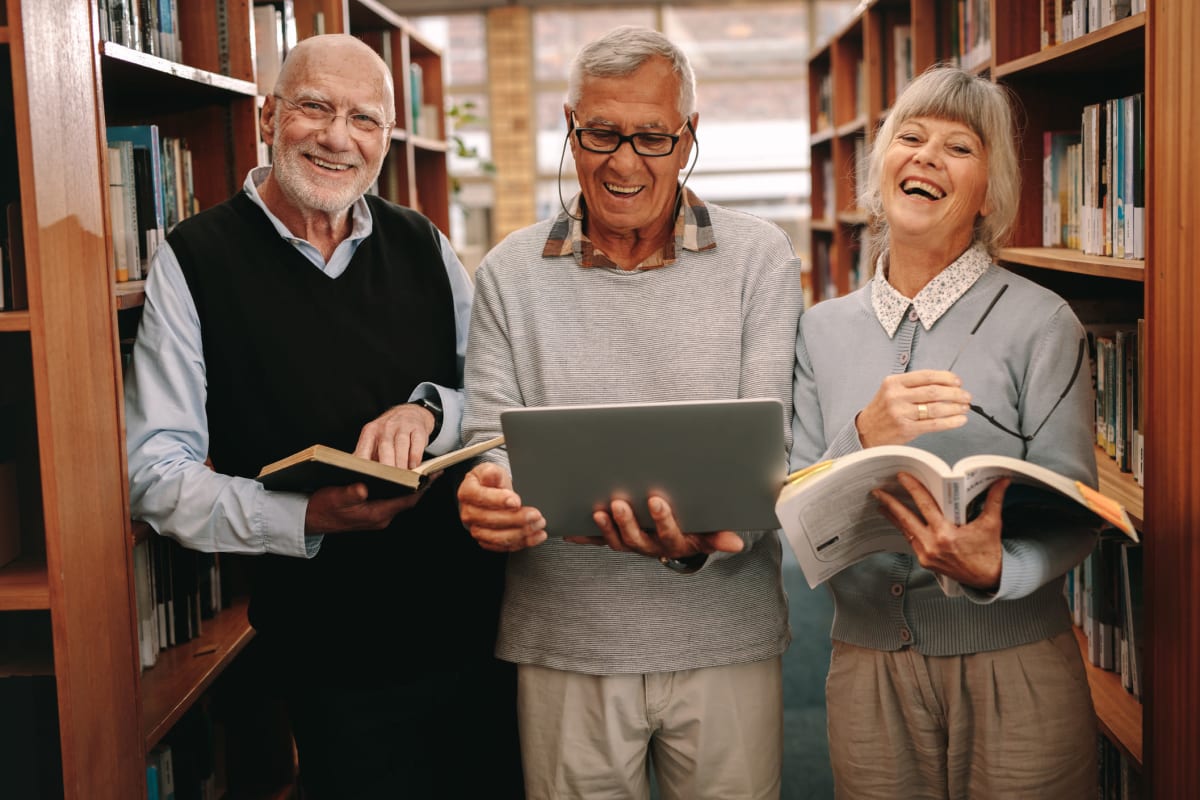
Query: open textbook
{"x": 831, "y": 520}
{"x": 315, "y": 467}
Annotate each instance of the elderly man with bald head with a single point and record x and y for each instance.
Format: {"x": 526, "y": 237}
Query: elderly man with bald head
{"x": 303, "y": 310}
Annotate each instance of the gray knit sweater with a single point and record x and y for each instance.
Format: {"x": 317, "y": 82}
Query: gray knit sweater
{"x": 716, "y": 324}
{"x": 1015, "y": 367}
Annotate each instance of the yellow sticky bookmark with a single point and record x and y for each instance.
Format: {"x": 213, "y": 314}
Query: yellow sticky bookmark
{"x": 808, "y": 471}
{"x": 1107, "y": 508}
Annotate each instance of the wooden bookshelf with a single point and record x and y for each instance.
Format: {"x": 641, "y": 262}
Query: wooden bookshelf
{"x": 1118, "y": 713}
{"x": 24, "y": 585}
{"x": 1153, "y": 53}
{"x": 184, "y": 672}
{"x": 77, "y": 583}
{"x": 14, "y": 321}
{"x": 415, "y": 171}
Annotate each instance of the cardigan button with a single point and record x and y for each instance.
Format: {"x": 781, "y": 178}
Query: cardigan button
{"x": 905, "y": 635}
{"x": 897, "y": 589}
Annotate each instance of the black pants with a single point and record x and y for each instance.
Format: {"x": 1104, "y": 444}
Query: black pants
{"x": 451, "y": 734}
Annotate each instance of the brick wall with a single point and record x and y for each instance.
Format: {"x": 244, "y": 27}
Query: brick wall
{"x": 510, "y": 80}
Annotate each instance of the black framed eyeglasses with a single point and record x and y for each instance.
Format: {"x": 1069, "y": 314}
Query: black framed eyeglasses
{"x": 322, "y": 115}
{"x": 602, "y": 140}
{"x": 1070, "y": 382}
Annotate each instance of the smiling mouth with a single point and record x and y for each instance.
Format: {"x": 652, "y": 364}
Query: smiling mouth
{"x": 623, "y": 191}
{"x": 921, "y": 189}
{"x": 333, "y": 166}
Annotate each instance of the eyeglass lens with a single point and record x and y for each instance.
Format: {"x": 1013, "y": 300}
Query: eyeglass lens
{"x": 324, "y": 116}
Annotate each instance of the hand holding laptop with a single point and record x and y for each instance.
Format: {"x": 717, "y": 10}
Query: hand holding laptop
{"x": 668, "y": 480}
{"x": 622, "y": 531}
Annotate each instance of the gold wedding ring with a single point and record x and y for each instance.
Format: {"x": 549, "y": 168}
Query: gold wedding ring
{"x": 922, "y": 411}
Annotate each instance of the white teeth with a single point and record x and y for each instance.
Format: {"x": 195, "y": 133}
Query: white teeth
{"x": 612, "y": 187}
{"x": 912, "y": 184}
{"x": 328, "y": 164}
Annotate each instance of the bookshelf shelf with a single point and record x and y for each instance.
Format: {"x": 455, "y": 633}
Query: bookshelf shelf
{"x": 1118, "y": 713}
{"x": 852, "y": 218}
{"x": 150, "y": 78}
{"x": 14, "y": 321}
{"x": 1116, "y": 46}
{"x": 822, "y": 225}
{"x": 369, "y": 15}
{"x": 184, "y": 672}
{"x": 821, "y": 136}
{"x": 431, "y": 145}
{"x": 130, "y": 294}
{"x": 1121, "y": 487}
{"x": 854, "y": 126}
{"x": 1064, "y": 260}
{"x": 24, "y": 585}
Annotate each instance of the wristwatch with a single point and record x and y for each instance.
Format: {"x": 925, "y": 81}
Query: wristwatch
{"x": 686, "y": 565}
{"x": 433, "y": 406}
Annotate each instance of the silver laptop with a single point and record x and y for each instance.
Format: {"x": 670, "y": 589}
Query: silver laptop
{"x": 720, "y": 464}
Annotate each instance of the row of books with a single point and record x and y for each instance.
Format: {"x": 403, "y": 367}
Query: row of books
{"x": 1064, "y": 20}
{"x": 177, "y": 589}
{"x": 823, "y": 119}
{"x": 1094, "y": 181}
{"x": 969, "y": 27}
{"x": 1117, "y": 356}
{"x": 1119, "y": 777}
{"x": 184, "y": 765}
{"x": 1105, "y": 595}
{"x": 274, "y": 36}
{"x": 150, "y": 190}
{"x": 147, "y": 25}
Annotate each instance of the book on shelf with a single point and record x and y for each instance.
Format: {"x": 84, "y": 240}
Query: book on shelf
{"x": 144, "y": 594}
{"x": 268, "y": 46}
{"x": 148, "y": 184}
{"x": 1057, "y": 188}
{"x": 832, "y": 521}
{"x": 318, "y": 466}
{"x": 902, "y": 58}
{"x": 123, "y": 211}
{"x": 1131, "y": 612}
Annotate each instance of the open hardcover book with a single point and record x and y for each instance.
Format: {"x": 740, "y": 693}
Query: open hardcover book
{"x": 831, "y": 520}
{"x": 318, "y": 466}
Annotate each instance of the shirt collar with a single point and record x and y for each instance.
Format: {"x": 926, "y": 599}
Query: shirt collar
{"x": 693, "y": 231}
{"x": 935, "y": 298}
{"x": 361, "y": 223}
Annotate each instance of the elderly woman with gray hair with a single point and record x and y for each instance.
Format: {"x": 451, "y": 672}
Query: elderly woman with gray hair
{"x": 977, "y": 690}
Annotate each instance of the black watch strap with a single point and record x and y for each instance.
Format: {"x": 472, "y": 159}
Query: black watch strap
{"x": 686, "y": 565}
{"x": 433, "y": 406}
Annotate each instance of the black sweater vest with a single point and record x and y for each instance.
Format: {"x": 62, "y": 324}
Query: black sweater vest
{"x": 295, "y": 358}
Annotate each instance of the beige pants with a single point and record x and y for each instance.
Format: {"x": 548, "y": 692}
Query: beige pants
{"x": 712, "y": 733}
{"x": 1015, "y": 723}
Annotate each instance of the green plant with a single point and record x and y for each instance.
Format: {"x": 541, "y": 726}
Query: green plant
{"x": 459, "y": 115}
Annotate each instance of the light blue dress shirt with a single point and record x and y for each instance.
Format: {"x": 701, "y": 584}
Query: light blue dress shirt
{"x": 167, "y": 427}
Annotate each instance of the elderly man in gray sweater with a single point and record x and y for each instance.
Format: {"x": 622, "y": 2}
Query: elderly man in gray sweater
{"x": 659, "y": 646}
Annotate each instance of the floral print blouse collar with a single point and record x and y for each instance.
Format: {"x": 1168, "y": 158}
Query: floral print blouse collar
{"x": 935, "y": 298}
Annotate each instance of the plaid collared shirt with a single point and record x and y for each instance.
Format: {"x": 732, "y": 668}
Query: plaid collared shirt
{"x": 693, "y": 231}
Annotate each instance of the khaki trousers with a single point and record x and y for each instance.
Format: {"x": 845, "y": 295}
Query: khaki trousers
{"x": 713, "y": 733}
{"x": 1014, "y": 723}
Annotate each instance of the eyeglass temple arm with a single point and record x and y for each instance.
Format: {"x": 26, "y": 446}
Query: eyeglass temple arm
{"x": 1070, "y": 384}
